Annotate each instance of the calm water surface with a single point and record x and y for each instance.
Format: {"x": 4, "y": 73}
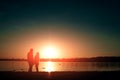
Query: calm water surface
{"x": 60, "y": 66}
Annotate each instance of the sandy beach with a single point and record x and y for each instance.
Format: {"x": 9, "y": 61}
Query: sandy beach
{"x": 88, "y": 75}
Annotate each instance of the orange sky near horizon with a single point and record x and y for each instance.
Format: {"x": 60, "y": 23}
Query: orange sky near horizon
{"x": 67, "y": 47}
{"x": 69, "y": 44}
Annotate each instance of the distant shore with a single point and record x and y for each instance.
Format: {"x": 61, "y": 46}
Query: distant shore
{"x": 67, "y": 75}
{"x": 92, "y": 59}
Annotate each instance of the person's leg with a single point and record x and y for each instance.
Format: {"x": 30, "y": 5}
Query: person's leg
{"x": 30, "y": 67}
{"x": 29, "y": 70}
{"x": 36, "y": 67}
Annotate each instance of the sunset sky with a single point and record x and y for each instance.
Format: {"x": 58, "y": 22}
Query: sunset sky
{"x": 73, "y": 28}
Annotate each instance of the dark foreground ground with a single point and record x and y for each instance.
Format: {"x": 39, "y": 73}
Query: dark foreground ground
{"x": 88, "y": 75}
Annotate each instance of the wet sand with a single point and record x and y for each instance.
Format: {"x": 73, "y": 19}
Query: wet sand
{"x": 85, "y": 75}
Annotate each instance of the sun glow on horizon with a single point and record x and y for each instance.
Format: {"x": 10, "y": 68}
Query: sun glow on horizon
{"x": 50, "y": 52}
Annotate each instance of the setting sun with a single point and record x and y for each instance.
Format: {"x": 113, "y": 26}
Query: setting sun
{"x": 50, "y": 52}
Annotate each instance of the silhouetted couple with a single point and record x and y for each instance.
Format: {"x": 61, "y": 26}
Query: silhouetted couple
{"x": 33, "y": 60}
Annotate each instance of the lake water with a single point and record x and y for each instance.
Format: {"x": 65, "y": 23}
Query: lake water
{"x": 60, "y": 66}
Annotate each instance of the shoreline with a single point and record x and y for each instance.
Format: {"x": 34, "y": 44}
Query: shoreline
{"x": 66, "y": 75}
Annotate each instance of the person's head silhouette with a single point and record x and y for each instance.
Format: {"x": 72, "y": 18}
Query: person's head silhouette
{"x": 31, "y": 49}
{"x": 37, "y": 53}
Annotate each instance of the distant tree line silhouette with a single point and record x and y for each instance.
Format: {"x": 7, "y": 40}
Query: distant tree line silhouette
{"x": 92, "y": 59}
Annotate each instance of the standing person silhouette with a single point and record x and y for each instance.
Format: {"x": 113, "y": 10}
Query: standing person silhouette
{"x": 36, "y": 59}
{"x": 30, "y": 60}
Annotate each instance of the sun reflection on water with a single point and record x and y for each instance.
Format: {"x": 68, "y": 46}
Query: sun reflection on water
{"x": 49, "y": 66}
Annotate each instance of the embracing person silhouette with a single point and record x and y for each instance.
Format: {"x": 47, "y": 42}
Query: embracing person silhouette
{"x": 31, "y": 60}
